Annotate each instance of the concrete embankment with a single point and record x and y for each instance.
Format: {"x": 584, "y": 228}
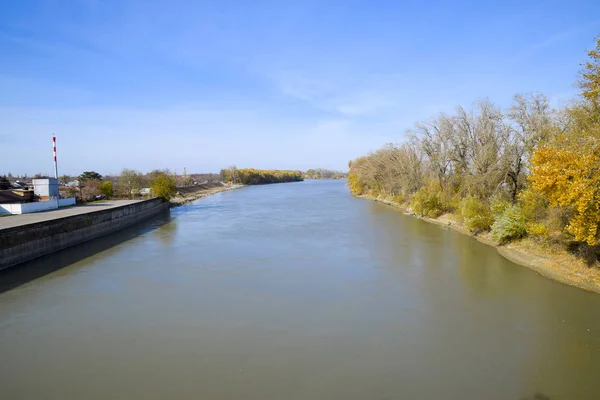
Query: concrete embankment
{"x": 25, "y": 237}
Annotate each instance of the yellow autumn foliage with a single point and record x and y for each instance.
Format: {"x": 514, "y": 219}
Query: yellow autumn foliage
{"x": 571, "y": 178}
{"x": 537, "y": 229}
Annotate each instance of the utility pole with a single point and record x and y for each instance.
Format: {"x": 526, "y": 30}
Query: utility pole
{"x": 55, "y": 164}
{"x": 55, "y": 171}
{"x": 184, "y": 177}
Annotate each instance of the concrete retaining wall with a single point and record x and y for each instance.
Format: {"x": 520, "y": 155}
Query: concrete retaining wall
{"x": 26, "y": 242}
{"x": 66, "y": 202}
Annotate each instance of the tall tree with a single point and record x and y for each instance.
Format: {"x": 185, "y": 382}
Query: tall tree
{"x": 589, "y": 81}
{"x": 567, "y": 169}
{"x": 130, "y": 183}
{"x": 90, "y": 189}
{"x": 89, "y": 175}
{"x": 530, "y": 124}
{"x": 163, "y": 185}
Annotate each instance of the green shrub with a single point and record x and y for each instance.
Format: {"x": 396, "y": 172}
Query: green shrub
{"x": 106, "y": 188}
{"x": 427, "y": 202}
{"x": 538, "y": 229}
{"x": 498, "y": 205}
{"x": 451, "y": 200}
{"x": 475, "y": 213}
{"x": 164, "y": 186}
{"x": 509, "y": 225}
{"x": 533, "y": 205}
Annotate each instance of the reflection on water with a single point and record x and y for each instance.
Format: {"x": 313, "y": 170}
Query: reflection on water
{"x": 28, "y": 271}
{"x": 296, "y": 291}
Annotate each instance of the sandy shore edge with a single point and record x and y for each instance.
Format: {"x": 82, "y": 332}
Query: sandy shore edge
{"x": 180, "y": 201}
{"x": 560, "y": 268}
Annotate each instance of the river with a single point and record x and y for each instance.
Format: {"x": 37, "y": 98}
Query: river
{"x": 293, "y": 291}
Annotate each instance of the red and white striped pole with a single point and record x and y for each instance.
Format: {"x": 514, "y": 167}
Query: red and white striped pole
{"x": 55, "y": 164}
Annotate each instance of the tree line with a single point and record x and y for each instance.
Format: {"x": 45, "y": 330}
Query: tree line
{"x": 321, "y": 173}
{"x": 527, "y": 170}
{"x": 128, "y": 185}
{"x": 252, "y": 176}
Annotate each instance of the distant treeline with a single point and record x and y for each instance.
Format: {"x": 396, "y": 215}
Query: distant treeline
{"x": 251, "y": 176}
{"x": 321, "y": 173}
{"x": 130, "y": 184}
{"x": 527, "y": 170}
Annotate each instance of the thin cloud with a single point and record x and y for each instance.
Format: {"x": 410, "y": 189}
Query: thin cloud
{"x": 338, "y": 97}
{"x": 554, "y": 40}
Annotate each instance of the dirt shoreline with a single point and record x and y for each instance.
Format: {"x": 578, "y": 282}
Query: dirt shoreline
{"x": 563, "y": 268}
{"x": 182, "y": 200}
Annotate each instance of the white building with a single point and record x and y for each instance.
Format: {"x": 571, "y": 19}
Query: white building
{"x": 44, "y": 189}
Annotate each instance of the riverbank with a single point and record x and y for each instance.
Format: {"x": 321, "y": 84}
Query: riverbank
{"x": 192, "y": 193}
{"x": 550, "y": 263}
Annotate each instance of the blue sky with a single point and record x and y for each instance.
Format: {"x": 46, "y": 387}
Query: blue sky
{"x": 281, "y": 84}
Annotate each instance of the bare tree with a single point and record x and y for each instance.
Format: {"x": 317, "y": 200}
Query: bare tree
{"x": 130, "y": 183}
{"x": 529, "y": 122}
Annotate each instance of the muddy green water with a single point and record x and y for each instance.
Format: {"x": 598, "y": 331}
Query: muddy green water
{"x": 293, "y": 291}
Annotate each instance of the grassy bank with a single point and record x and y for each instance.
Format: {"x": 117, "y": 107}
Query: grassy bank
{"x": 552, "y": 263}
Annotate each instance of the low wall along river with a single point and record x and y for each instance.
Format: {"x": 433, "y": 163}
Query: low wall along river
{"x": 26, "y": 242}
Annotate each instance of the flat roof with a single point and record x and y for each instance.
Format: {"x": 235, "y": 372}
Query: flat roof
{"x": 12, "y": 221}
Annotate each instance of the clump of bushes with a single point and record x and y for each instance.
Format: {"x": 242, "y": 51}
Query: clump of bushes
{"x": 451, "y": 200}
{"x": 533, "y": 205}
{"x": 509, "y": 225}
{"x": 427, "y": 202}
{"x": 476, "y": 214}
{"x": 398, "y": 199}
{"x": 498, "y": 204}
{"x": 538, "y": 230}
